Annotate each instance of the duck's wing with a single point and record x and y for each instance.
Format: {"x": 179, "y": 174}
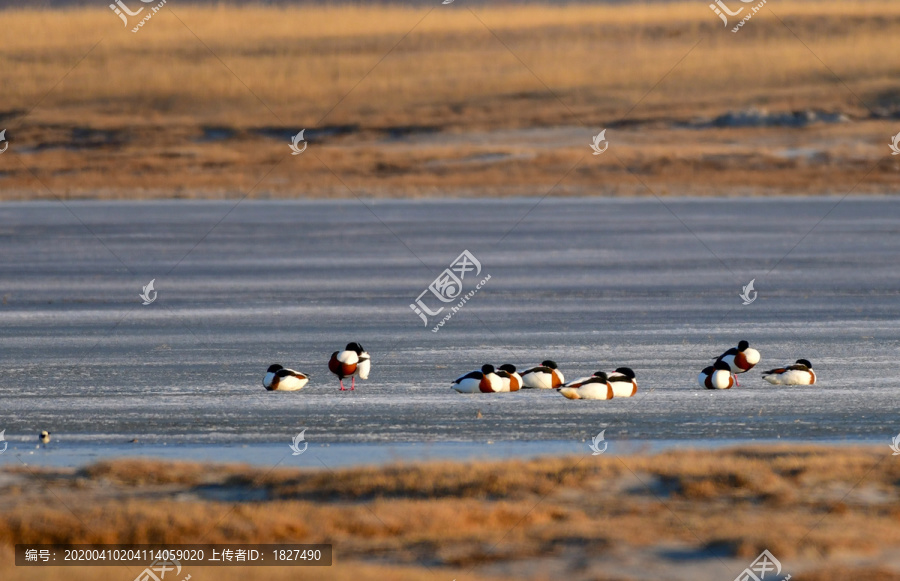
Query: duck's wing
{"x": 538, "y": 369}
{"x": 471, "y": 375}
{"x": 365, "y": 364}
{"x": 584, "y": 381}
{"x": 732, "y": 351}
{"x": 334, "y": 365}
{"x": 797, "y": 367}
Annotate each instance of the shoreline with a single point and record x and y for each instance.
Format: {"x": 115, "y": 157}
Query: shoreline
{"x": 376, "y": 455}
{"x": 681, "y": 515}
{"x": 451, "y": 199}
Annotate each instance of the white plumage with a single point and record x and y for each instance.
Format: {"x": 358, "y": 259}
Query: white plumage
{"x": 593, "y": 387}
{"x": 801, "y": 373}
{"x": 545, "y": 376}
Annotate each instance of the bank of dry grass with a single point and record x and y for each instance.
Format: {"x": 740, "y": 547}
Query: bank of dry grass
{"x": 302, "y": 60}
{"x": 132, "y": 118}
{"x": 817, "y": 508}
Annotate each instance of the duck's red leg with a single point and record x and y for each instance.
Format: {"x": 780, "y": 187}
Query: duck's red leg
{"x": 353, "y": 383}
{"x": 736, "y": 382}
{"x": 342, "y": 385}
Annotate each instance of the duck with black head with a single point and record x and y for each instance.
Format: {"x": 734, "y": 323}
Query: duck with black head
{"x": 740, "y": 359}
{"x": 545, "y": 376}
{"x": 279, "y": 378}
{"x": 594, "y": 387}
{"x": 800, "y": 373}
{"x": 716, "y": 376}
{"x": 353, "y": 361}
{"x": 484, "y": 380}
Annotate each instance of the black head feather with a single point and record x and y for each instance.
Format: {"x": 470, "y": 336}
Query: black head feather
{"x": 626, "y": 371}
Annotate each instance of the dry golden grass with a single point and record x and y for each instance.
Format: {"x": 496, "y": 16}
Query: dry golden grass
{"x": 302, "y": 60}
{"x": 128, "y": 119}
{"x": 816, "y": 508}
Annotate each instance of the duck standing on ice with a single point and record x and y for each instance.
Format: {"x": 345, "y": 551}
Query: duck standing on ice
{"x": 350, "y": 362}
{"x": 800, "y": 373}
{"x": 740, "y": 359}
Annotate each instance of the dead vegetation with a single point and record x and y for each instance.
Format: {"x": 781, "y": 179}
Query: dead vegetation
{"x": 451, "y": 110}
{"x": 815, "y": 508}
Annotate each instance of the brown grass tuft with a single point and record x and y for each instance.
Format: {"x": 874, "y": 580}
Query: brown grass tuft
{"x": 805, "y": 504}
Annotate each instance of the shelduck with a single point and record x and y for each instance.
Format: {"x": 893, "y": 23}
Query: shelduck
{"x": 350, "y": 362}
{"x": 594, "y": 387}
{"x": 740, "y": 359}
{"x": 800, "y": 373}
{"x": 484, "y": 381}
{"x": 716, "y": 376}
{"x": 278, "y": 378}
{"x": 509, "y": 379}
{"x": 623, "y": 382}
{"x": 545, "y": 376}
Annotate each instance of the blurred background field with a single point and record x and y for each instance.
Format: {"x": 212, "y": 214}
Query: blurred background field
{"x": 456, "y": 100}
{"x": 824, "y": 512}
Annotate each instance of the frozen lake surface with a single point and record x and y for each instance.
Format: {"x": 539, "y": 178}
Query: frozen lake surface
{"x": 591, "y": 283}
